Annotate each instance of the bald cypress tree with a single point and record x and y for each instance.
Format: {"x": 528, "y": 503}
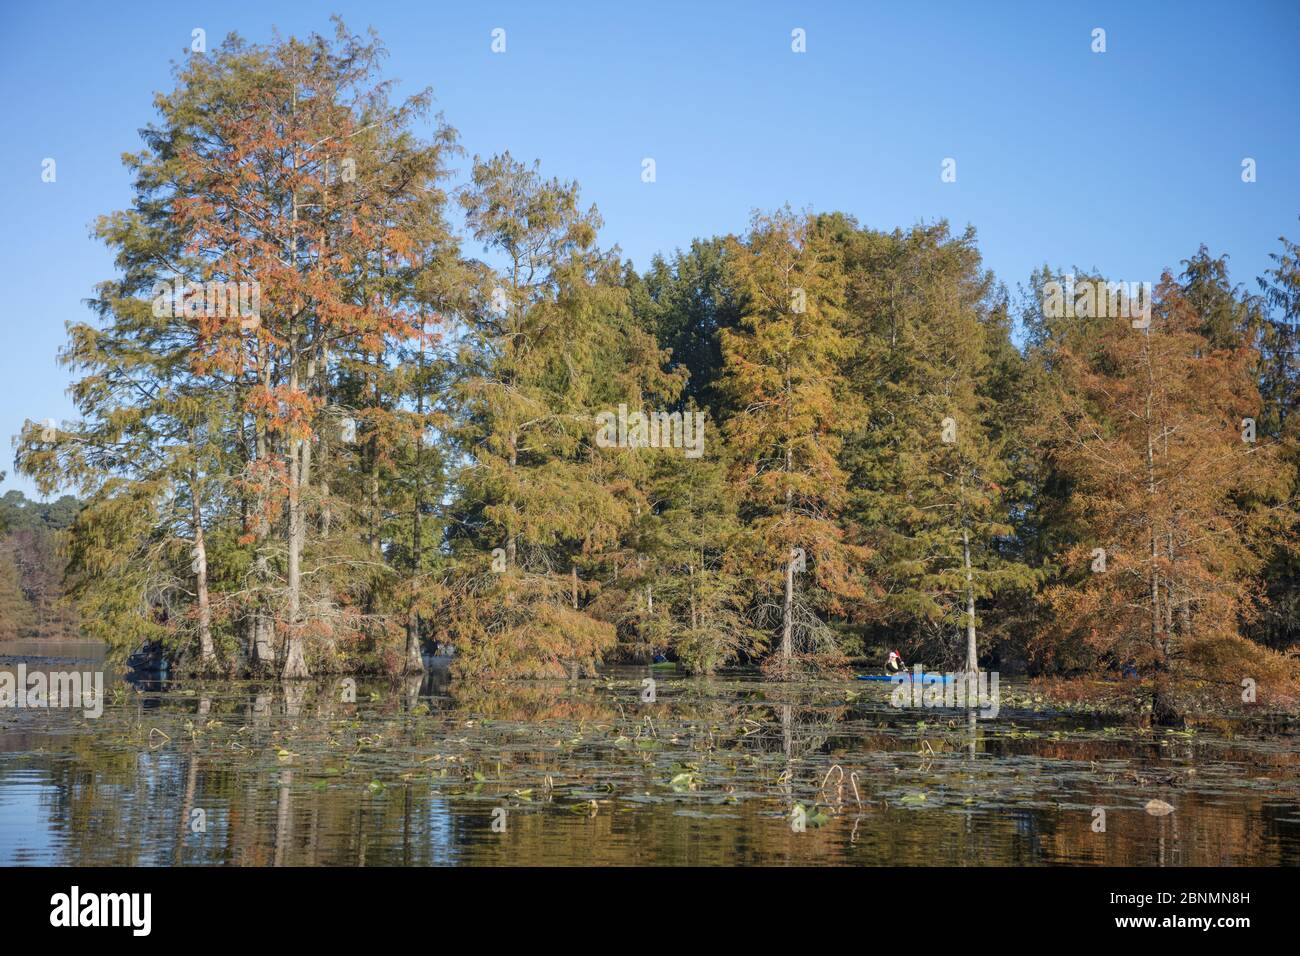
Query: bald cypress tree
{"x": 284, "y": 215}
{"x": 548, "y": 345}
{"x": 787, "y": 406}
{"x": 1278, "y": 623}
{"x": 931, "y": 467}
{"x": 1173, "y": 493}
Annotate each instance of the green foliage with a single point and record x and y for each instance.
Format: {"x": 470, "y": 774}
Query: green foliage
{"x": 933, "y": 463}
{"x": 16, "y": 616}
{"x": 549, "y": 344}
{"x": 406, "y": 447}
{"x": 33, "y": 598}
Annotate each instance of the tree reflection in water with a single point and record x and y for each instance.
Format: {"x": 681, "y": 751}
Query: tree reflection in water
{"x": 409, "y": 773}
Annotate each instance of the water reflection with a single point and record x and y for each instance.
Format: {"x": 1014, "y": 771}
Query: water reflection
{"x": 410, "y": 772}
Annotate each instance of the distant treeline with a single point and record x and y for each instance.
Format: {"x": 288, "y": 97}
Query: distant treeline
{"x": 404, "y": 446}
{"x": 32, "y": 604}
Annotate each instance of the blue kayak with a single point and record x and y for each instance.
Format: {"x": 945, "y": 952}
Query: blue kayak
{"x": 924, "y": 678}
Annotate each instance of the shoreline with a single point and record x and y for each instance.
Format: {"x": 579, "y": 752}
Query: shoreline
{"x": 1127, "y": 698}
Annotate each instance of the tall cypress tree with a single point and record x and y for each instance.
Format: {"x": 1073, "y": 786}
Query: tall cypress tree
{"x": 548, "y": 346}
{"x": 287, "y": 169}
{"x": 1170, "y": 483}
{"x": 786, "y": 408}
{"x": 1278, "y": 624}
{"x": 931, "y": 465}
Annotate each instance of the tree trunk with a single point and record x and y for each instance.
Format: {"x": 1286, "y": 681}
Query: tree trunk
{"x": 1163, "y": 711}
{"x": 972, "y": 654}
{"x": 376, "y": 512}
{"x": 787, "y": 614}
{"x": 691, "y": 578}
{"x": 322, "y": 455}
{"x": 511, "y": 550}
{"x": 262, "y": 625}
{"x": 787, "y": 608}
{"x": 295, "y": 664}
{"x": 414, "y": 658}
{"x": 1157, "y": 649}
{"x": 207, "y": 653}
{"x": 263, "y": 641}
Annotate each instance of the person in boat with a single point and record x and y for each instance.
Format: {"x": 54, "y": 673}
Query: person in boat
{"x": 894, "y": 663}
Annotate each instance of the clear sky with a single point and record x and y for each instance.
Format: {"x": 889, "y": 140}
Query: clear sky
{"x": 1123, "y": 161}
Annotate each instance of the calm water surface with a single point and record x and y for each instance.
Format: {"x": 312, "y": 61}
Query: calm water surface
{"x": 427, "y": 772}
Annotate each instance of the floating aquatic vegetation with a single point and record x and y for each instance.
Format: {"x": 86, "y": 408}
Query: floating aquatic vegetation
{"x": 711, "y": 768}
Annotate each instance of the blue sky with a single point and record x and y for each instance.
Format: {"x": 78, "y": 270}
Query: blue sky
{"x": 1124, "y": 161}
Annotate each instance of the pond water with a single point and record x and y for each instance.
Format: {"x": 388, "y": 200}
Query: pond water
{"x": 730, "y": 770}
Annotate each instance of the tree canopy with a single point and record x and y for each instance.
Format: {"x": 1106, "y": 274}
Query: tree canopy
{"x": 315, "y": 434}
